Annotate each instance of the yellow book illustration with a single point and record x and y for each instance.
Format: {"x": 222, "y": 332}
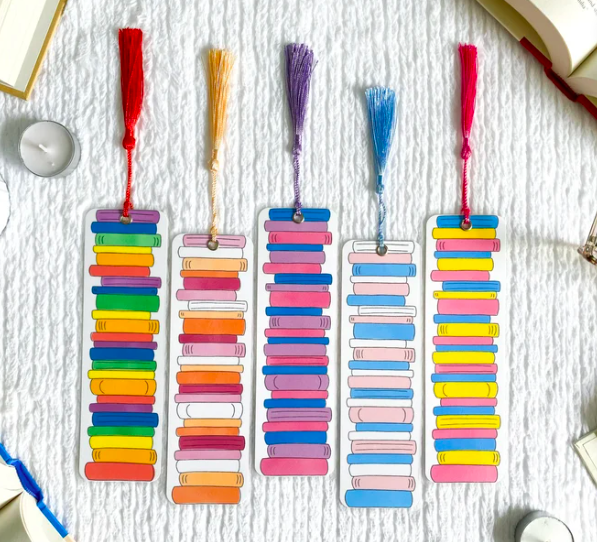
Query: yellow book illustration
{"x": 463, "y": 357}
{"x": 468, "y": 457}
{"x": 215, "y": 479}
{"x": 122, "y": 375}
{"x": 210, "y": 422}
{"x": 458, "y": 233}
{"x": 211, "y": 315}
{"x": 102, "y": 386}
{"x": 212, "y": 368}
{"x": 465, "y": 264}
{"x": 107, "y": 249}
{"x": 464, "y": 295}
{"x": 447, "y": 390}
{"x": 214, "y": 264}
{"x": 120, "y": 315}
{"x": 128, "y": 326}
{"x": 127, "y": 260}
{"x": 468, "y": 330}
{"x": 123, "y": 455}
{"x": 467, "y": 422}
{"x": 130, "y": 442}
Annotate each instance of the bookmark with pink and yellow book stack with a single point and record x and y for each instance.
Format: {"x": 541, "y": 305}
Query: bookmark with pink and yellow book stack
{"x": 211, "y": 375}
{"x": 466, "y": 354}
{"x": 466, "y": 328}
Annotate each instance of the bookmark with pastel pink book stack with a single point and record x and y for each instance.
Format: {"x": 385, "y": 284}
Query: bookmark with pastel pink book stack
{"x": 211, "y": 343}
{"x": 381, "y": 351}
{"x": 466, "y": 329}
{"x": 296, "y": 350}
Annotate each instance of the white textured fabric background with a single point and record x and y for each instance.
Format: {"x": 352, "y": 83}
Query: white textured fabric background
{"x": 534, "y": 163}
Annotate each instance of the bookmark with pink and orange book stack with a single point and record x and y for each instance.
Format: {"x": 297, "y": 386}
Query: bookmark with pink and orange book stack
{"x": 124, "y": 315}
{"x": 466, "y": 330}
{"x": 211, "y": 348}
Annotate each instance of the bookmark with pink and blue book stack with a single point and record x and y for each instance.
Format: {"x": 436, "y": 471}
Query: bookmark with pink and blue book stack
{"x": 296, "y": 321}
{"x": 466, "y": 325}
{"x": 381, "y": 352}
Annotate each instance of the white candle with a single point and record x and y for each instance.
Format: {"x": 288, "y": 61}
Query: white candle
{"x": 539, "y": 527}
{"x": 48, "y": 149}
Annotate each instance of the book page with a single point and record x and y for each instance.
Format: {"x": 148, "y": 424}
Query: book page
{"x": 10, "y": 485}
{"x": 567, "y": 27}
{"x": 19, "y": 21}
{"x": 36, "y": 43}
{"x": 584, "y": 78}
{"x": 22, "y": 521}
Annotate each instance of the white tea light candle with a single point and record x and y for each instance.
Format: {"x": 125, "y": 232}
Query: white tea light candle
{"x": 48, "y": 149}
{"x": 539, "y": 527}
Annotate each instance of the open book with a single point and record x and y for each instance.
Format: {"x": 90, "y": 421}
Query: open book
{"x": 26, "y": 28}
{"x": 562, "y": 35}
{"x": 23, "y": 517}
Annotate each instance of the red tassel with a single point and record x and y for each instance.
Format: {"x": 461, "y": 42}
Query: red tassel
{"x": 468, "y": 61}
{"x": 132, "y": 85}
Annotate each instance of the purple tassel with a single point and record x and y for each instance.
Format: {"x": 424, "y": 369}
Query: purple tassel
{"x": 300, "y": 62}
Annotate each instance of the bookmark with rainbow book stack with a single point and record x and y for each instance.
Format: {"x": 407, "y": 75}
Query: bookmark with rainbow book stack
{"x": 124, "y": 344}
{"x": 211, "y": 344}
{"x": 466, "y": 325}
{"x": 381, "y": 366}
{"x": 296, "y": 319}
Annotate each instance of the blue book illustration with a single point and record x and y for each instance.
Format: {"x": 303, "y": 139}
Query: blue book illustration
{"x": 463, "y": 411}
{"x": 478, "y": 221}
{"x": 378, "y": 498}
{"x": 296, "y": 437}
{"x": 294, "y": 248}
{"x": 455, "y": 444}
{"x": 379, "y": 459}
{"x": 379, "y": 365}
{"x": 399, "y": 332}
{"x": 384, "y": 270}
{"x": 298, "y": 340}
{"x": 117, "y": 227}
{"x": 311, "y": 215}
{"x": 385, "y": 427}
{"x": 117, "y": 290}
{"x": 132, "y": 354}
{"x": 366, "y": 393}
{"x": 471, "y": 286}
{"x": 293, "y": 370}
{"x": 292, "y": 311}
{"x": 294, "y": 403}
{"x": 466, "y": 348}
{"x": 376, "y": 300}
{"x": 125, "y": 419}
{"x": 463, "y": 378}
{"x": 460, "y": 319}
{"x": 447, "y": 254}
{"x": 291, "y": 278}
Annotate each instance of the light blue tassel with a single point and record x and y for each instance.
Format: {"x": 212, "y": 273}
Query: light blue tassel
{"x": 381, "y": 103}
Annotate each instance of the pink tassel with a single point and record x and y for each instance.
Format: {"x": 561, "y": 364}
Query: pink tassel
{"x": 468, "y": 61}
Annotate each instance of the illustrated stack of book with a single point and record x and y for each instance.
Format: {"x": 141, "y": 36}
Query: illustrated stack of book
{"x": 380, "y": 446}
{"x": 208, "y": 420}
{"x": 465, "y": 309}
{"x": 123, "y": 362}
{"x": 296, "y": 368}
